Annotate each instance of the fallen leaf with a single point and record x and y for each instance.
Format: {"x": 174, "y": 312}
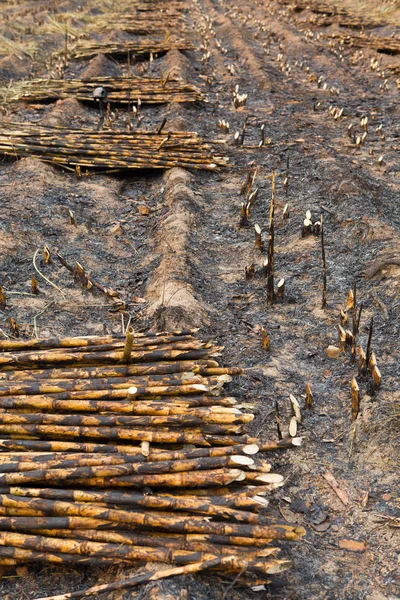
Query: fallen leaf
{"x": 335, "y": 486}
{"x": 319, "y": 517}
{"x": 138, "y": 300}
{"x": 352, "y": 545}
{"x": 144, "y": 210}
{"x": 288, "y": 515}
{"x": 321, "y": 527}
{"x": 116, "y": 229}
{"x": 300, "y": 506}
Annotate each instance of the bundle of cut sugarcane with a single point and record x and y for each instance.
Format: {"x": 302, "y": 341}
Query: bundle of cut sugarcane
{"x": 333, "y": 13}
{"x": 69, "y": 525}
{"x": 136, "y": 22}
{"x": 108, "y": 149}
{"x": 350, "y": 21}
{"x": 148, "y": 412}
{"x": 163, "y": 6}
{"x": 147, "y": 23}
{"x": 381, "y": 44}
{"x": 121, "y": 90}
{"x": 139, "y": 47}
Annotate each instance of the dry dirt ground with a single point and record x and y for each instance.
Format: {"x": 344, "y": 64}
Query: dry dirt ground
{"x": 180, "y": 264}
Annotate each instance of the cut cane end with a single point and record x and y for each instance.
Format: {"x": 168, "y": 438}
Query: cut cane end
{"x": 262, "y": 501}
{"x": 239, "y": 459}
{"x": 241, "y": 475}
{"x": 270, "y": 478}
{"x": 132, "y": 392}
{"x": 251, "y": 449}
{"x": 279, "y": 567}
{"x": 297, "y": 441}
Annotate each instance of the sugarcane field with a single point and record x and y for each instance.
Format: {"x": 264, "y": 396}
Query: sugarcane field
{"x": 199, "y": 299}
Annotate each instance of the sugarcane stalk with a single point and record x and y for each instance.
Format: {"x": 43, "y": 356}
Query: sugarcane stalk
{"x": 167, "y": 523}
{"x": 254, "y": 561}
{"x": 53, "y": 472}
{"x": 24, "y": 359}
{"x": 22, "y": 523}
{"x": 355, "y": 320}
{"x": 96, "y": 549}
{"x": 10, "y": 555}
{"x": 83, "y": 149}
{"x": 209, "y": 371}
{"x": 146, "y": 345}
{"x": 149, "y": 406}
{"x": 128, "y": 453}
{"x": 23, "y": 445}
{"x": 355, "y": 399}
{"x": 126, "y": 358}
{"x": 117, "y": 394}
{"x": 207, "y": 411}
{"x": 156, "y": 436}
{"x": 218, "y": 477}
{"x": 84, "y": 341}
{"x": 91, "y": 48}
{"x": 186, "y": 419}
{"x": 116, "y": 475}
{"x": 154, "y": 541}
{"x": 271, "y": 236}
{"x": 56, "y": 386}
{"x": 113, "y": 371}
{"x": 212, "y": 505}
{"x": 368, "y": 352}
{"x": 100, "y": 420}
{"x": 150, "y": 90}
{"x": 324, "y": 293}
{"x": 127, "y": 552}
{"x": 175, "y": 387}
{"x": 144, "y": 578}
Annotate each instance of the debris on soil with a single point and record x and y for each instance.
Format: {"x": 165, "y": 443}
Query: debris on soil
{"x": 300, "y": 92}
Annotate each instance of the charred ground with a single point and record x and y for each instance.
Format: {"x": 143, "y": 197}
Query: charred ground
{"x": 187, "y": 267}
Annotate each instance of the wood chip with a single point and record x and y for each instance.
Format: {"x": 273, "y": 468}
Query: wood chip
{"x": 352, "y": 545}
{"x": 332, "y": 351}
{"x": 335, "y": 486}
{"x": 144, "y": 210}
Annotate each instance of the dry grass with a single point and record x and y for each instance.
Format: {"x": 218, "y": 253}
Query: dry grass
{"x": 20, "y": 49}
{"x": 388, "y": 11}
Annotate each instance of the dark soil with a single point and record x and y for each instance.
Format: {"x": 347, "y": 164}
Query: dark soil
{"x": 277, "y": 56}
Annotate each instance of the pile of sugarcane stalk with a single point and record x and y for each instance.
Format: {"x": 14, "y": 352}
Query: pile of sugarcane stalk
{"x": 138, "y": 47}
{"x": 107, "y": 149}
{"x": 343, "y": 16}
{"x": 147, "y": 23}
{"x": 121, "y": 90}
{"x": 350, "y": 21}
{"x": 381, "y": 44}
{"x": 124, "y": 449}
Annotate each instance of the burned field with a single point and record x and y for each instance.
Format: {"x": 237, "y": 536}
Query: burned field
{"x": 220, "y": 166}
